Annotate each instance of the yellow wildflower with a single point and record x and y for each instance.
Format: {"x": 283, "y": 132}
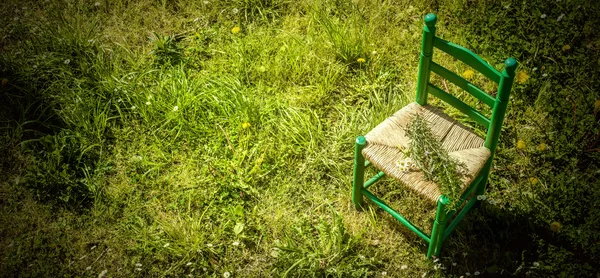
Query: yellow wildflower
{"x": 533, "y": 180}
{"x": 521, "y": 144}
{"x": 541, "y": 147}
{"x": 468, "y": 74}
{"x": 555, "y": 226}
{"x": 246, "y": 125}
{"x": 566, "y": 47}
{"x": 235, "y": 30}
{"x": 596, "y": 103}
{"x": 361, "y": 60}
{"x": 522, "y": 77}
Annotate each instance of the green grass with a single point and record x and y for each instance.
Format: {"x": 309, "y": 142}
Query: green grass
{"x": 145, "y": 138}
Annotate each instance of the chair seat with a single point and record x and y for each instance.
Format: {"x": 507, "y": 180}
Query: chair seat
{"x": 385, "y": 140}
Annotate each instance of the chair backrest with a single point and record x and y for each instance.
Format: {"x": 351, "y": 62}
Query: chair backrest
{"x": 504, "y": 81}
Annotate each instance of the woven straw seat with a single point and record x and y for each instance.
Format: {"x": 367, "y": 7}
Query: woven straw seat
{"x": 385, "y": 140}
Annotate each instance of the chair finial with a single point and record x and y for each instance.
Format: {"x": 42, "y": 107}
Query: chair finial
{"x": 443, "y": 199}
{"x": 430, "y": 20}
{"x": 510, "y": 66}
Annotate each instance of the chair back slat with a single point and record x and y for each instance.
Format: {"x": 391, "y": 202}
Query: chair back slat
{"x": 467, "y": 57}
{"x": 458, "y": 104}
{"x": 462, "y": 83}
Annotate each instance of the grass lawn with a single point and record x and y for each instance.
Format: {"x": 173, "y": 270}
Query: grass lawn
{"x": 215, "y": 138}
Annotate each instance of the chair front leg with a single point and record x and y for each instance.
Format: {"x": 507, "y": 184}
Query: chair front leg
{"x": 439, "y": 227}
{"x": 359, "y": 172}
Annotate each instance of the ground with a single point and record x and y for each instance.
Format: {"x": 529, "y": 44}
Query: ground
{"x": 215, "y": 138}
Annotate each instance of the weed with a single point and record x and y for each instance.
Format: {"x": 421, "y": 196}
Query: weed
{"x": 166, "y": 49}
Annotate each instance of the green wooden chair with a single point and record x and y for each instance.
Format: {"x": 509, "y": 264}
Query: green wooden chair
{"x": 380, "y": 147}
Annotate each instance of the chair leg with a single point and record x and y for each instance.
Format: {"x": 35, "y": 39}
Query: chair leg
{"x": 359, "y": 172}
{"x": 439, "y": 227}
{"x": 483, "y": 183}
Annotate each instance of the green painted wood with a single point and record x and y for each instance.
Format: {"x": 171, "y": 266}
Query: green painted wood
{"x": 458, "y": 104}
{"x": 504, "y": 87}
{"x": 359, "y": 171}
{"x": 395, "y": 214}
{"x": 425, "y": 59}
{"x": 467, "y": 57}
{"x": 439, "y": 227}
{"x": 458, "y": 218}
{"x": 462, "y": 83}
{"x": 374, "y": 179}
{"x": 485, "y": 172}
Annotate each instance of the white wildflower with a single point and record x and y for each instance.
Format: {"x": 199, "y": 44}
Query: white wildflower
{"x": 133, "y": 107}
{"x": 476, "y": 273}
{"x": 88, "y": 268}
{"x": 209, "y": 245}
{"x": 536, "y": 264}
{"x": 543, "y": 16}
{"x": 166, "y": 245}
{"x": 235, "y": 11}
{"x": 545, "y": 74}
{"x": 148, "y": 103}
{"x": 226, "y": 274}
{"x": 492, "y": 202}
{"x": 468, "y": 274}
{"x": 138, "y": 269}
{"x": 66, "y": 61}
{"x": 205, "y": 2}
{"x": 534, "y": 69}
{"x": 453, "y": 264}
{"x": 481, "y": 197}
{"x": 236, "y": 243}
{"x": 374, "y": 52}
{"x": 175, "y": 108}
{"x": 384, "y": 273}
{"x": 138, "y": 265}
{"x": 97, "y": 4}
{"x": 404, "y": 267}
{"x": 102, "y": 273}
{"x": 560, "y": 17}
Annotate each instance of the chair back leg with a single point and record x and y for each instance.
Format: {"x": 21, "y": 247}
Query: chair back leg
{"x": 486, "y": 171}
{"x": 359, "y": 171}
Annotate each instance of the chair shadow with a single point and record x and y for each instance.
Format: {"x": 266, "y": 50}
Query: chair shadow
{"x": 496, "y": 243}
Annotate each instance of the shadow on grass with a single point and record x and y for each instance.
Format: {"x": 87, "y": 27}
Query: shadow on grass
{"x": 36, "y": 152}
{"x": 494, "y": 242}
